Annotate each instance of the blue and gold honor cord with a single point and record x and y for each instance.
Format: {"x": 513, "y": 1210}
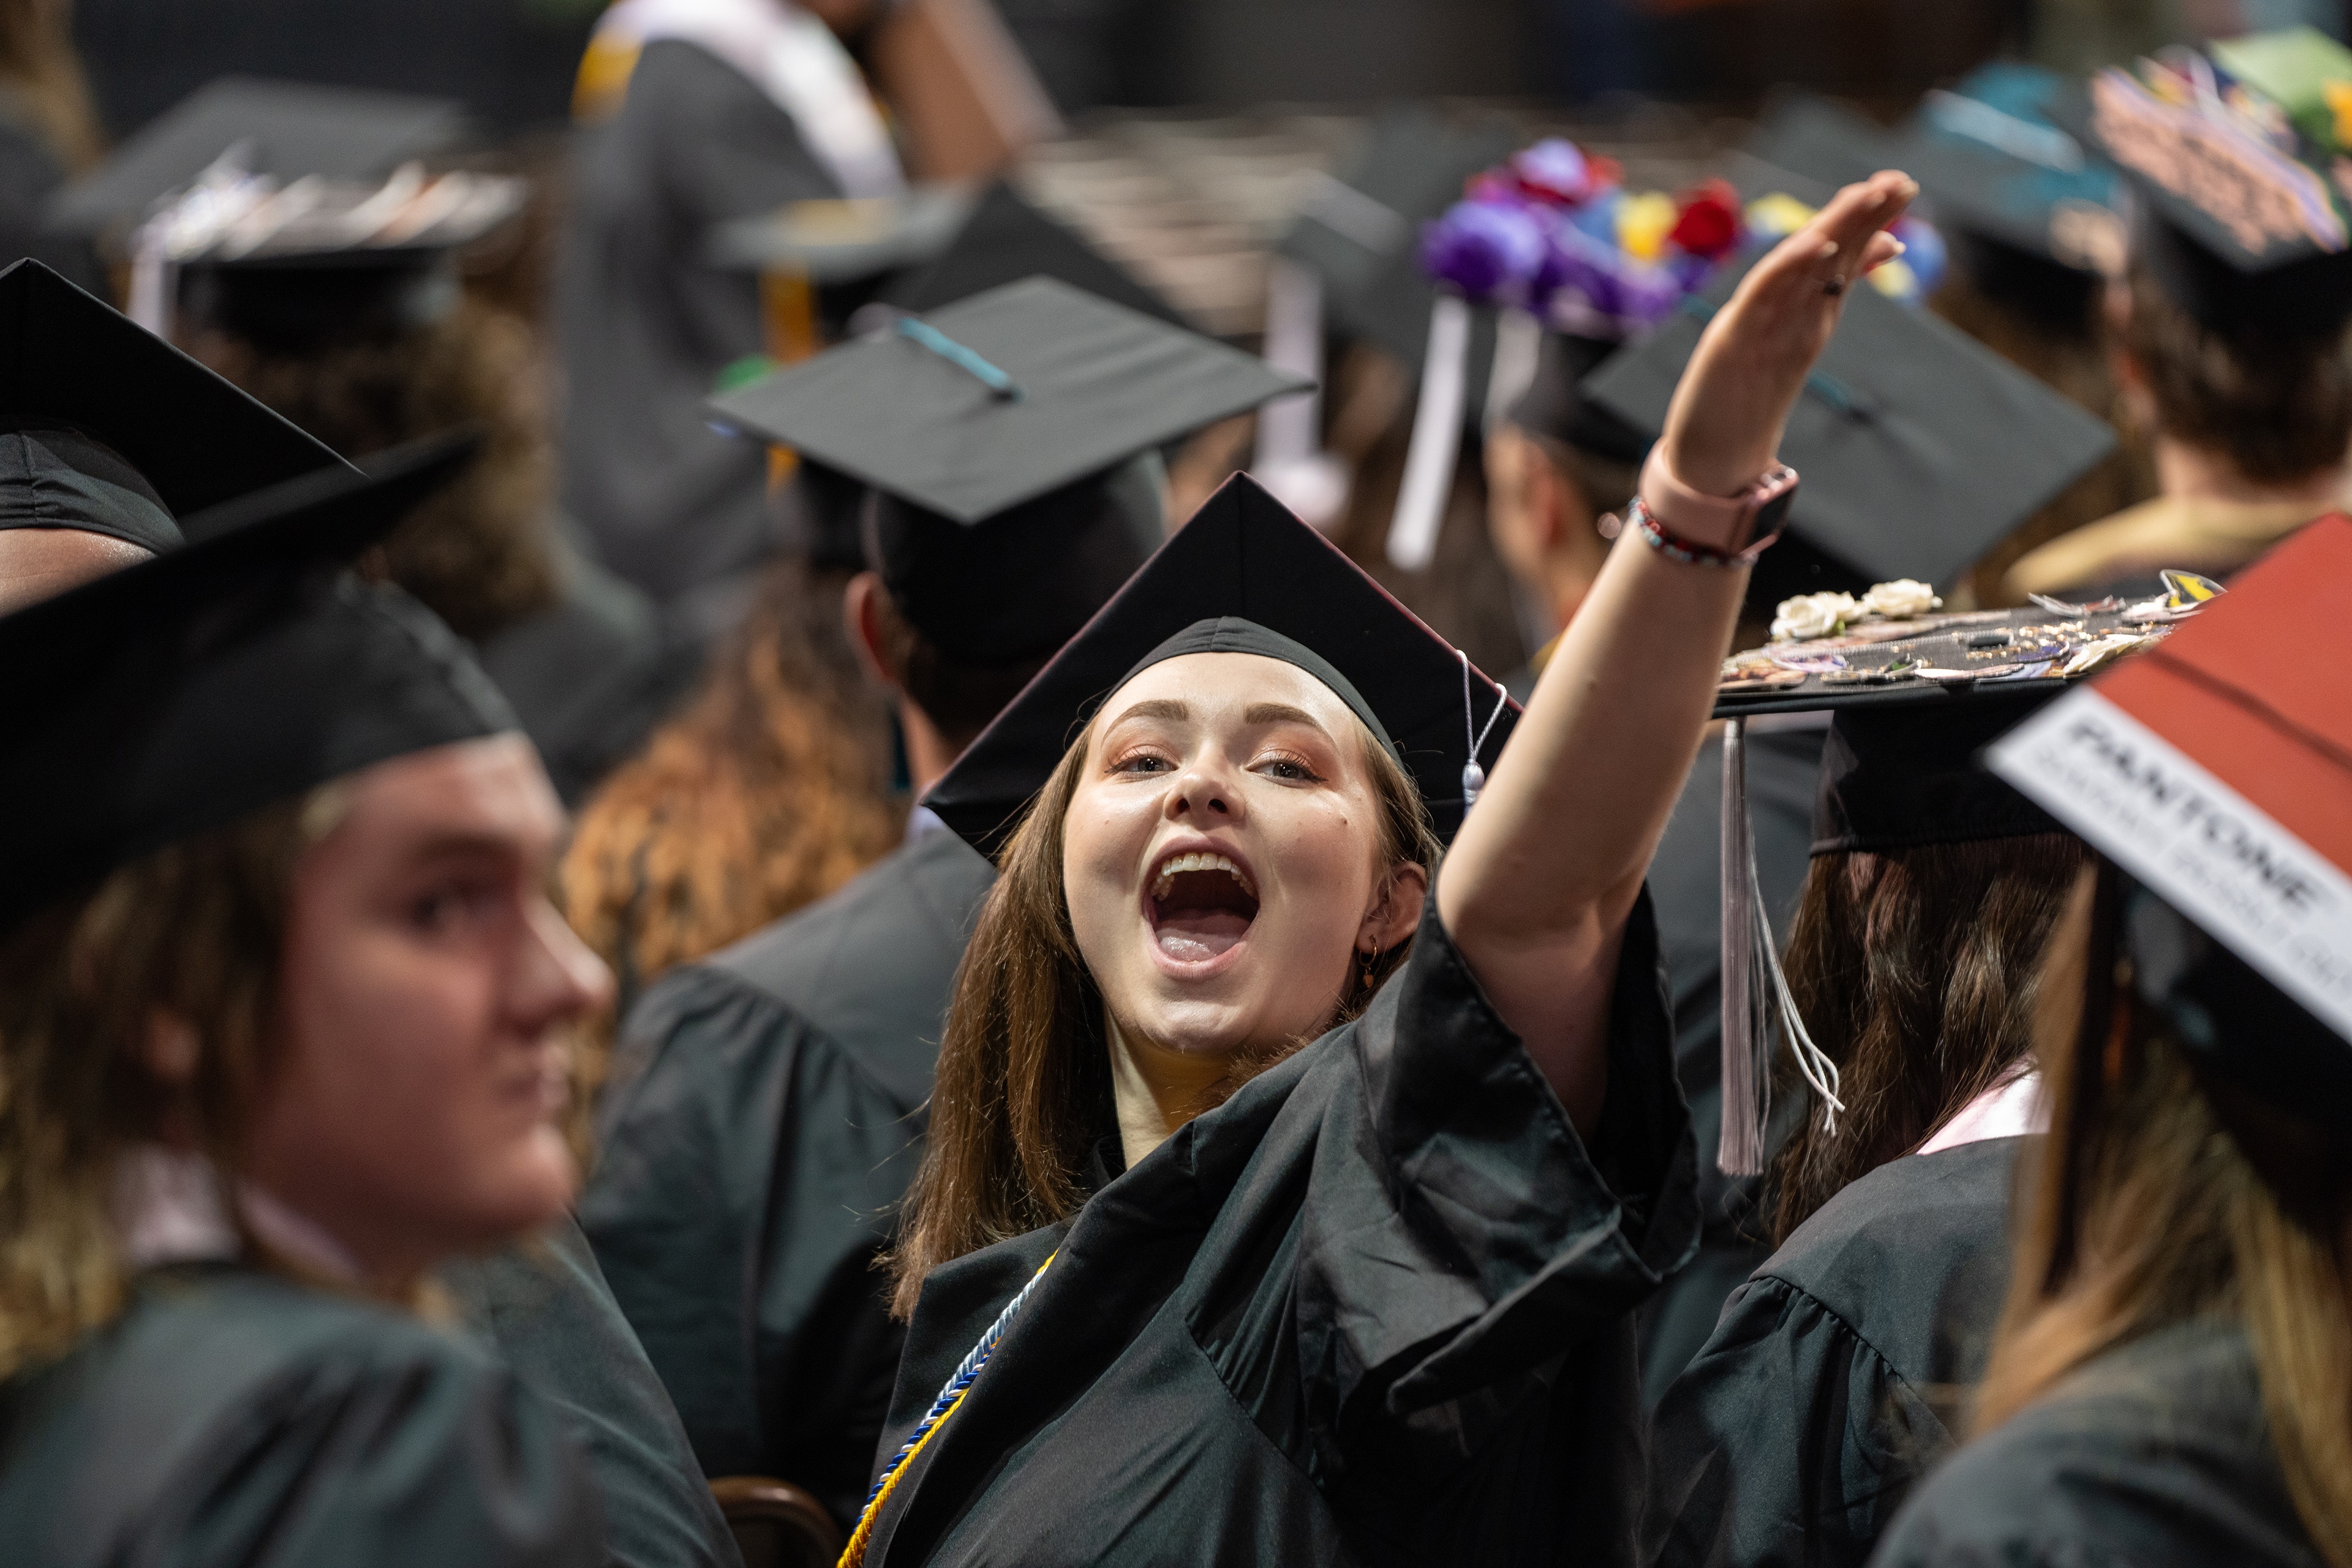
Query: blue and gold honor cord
{"x": 854, "y": 1554}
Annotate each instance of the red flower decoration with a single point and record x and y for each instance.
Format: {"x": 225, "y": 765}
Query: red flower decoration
{"x": 1707, "y": 224}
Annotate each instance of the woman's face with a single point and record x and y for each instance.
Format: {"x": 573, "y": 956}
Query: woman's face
{"x": 427, "y": 983}
{"x": 1219, "y": 854}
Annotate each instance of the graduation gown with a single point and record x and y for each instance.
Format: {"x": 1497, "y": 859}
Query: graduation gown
{"x": 1833, "y": 1382}
{"x": 1686, "y": 881}
{"x": 232, "y": 1417}
{"x": 592, "y": 675}
{"x": 1377, "y": 1307}
{"x": 647, "y": 322}
{"x": 763, "y": 1124}
{"x": 544, "y": 1310}
{"x": 2156, "y": 1455}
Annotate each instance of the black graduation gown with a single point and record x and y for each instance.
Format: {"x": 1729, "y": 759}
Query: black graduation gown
{"x": 591, "y": 675}
{"x": 763, "y": 1124}
{"x": 1833, "y": 1382}
{"x": 1377, "y": 1307}
{"x": 2156, "y": 1455}
{"x": 647, "y": 322}
{"x": 545, "y": 1311}
{"x": 1686, "y": 880}
{"x": 228, "y": 1417}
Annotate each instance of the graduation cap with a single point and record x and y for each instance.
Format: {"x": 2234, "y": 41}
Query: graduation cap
{"x": 1919, "y": 447}
{"x": 2216, "y": 773}
{"x": 107, "y": 428}
{"x": 1554, "y": 404}
{"x": 2237, "y": 219}
{"x": 288, "y": 267}
{"x": 1914, "y": 698}
{"x": 1023, "y": 409}
{"x": 1820, "y": 141}
{"x": 842, "y": 239}
{"x": 2034, "y": 220}
{"x": 1006, "y": 239}
{"x": 1244, "y": 577}
{"x": 282, "y": 130}
{"x": 245, "y": 668}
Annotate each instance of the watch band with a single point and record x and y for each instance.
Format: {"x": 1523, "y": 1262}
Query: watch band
{"x": 1728, "y": 525}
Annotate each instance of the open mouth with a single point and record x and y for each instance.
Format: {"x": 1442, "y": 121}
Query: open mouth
{"x": 1201, "y": 905}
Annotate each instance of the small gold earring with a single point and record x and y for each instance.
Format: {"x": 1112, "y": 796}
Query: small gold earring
{"x": 1369, "y": 960}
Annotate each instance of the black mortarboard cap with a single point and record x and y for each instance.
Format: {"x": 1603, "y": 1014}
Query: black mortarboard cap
{"x": 1992, "y": 162}
{"x": 1006, "y": 239}
{"x": 2240, "y": 234}
{"x": 1822, "y": 142}
{"x": 283, "y": 129}
{"x": 1900, "y": 776}
{"x": 1358, "y": 229}
{"x": 1554, "y": 404}
{"x": 1243, "y": 575}
{"x": 186, "y": 692}
{"x": 1000, "y": 398}
{"x": 107, "y": 428}
{"x": 1918, "y": 448}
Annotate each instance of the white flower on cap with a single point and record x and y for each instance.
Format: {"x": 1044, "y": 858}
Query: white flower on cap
{"x": 1809, "y": 615}
{"x": 1901, "y": 599}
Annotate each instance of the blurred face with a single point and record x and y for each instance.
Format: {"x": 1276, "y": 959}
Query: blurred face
{"x": 427, "y": 983}
{"x": 1220, "y": 855}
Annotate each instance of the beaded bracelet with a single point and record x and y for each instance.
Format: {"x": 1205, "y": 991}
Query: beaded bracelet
{"x": 1689, "y": 552}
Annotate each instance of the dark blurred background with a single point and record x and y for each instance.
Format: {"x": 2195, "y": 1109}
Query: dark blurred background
{"x": 512, "y": 60}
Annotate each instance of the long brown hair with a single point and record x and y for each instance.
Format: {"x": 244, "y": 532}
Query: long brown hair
{"x": 41, "y": 74}
{"x": 2164, "y": 1196}
{"x": 1914, "y": 969}
{"x": 1024, "y": 1084}
{"x": 197, "y": 930}
{"x": 768, "y": 790}
{"x": 480, "y": 554}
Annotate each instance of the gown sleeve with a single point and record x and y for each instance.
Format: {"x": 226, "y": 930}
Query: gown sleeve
{"x": 548, "y": 1315}
{"x": 369, "y": 1457}
{"x": 1788, "y": 1440}
{"x": 746, "y": 1183}
{"x": 1459, "y": 1234}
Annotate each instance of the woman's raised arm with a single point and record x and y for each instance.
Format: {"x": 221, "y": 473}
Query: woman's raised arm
{"x": 1542, "y": 877}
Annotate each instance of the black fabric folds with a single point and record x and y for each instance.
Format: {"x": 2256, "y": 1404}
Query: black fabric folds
{"x": 1375, "y": 1309}
{"x": 1897, "y": 776}
{"x": 234, "y": 672}
{"x": 54, "y": 476}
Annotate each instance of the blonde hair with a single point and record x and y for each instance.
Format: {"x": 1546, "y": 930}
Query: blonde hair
{"x": 40, "y": 69}
{"x": 193, "y": 933}
{"x": 2163, "y": 1196}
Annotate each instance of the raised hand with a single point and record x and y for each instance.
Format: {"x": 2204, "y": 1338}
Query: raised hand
{"x": 1724, "y": 427}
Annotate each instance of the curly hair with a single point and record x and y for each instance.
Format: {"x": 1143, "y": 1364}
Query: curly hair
{"x": 768, "y": 790}
{"x": 480, "y": 554}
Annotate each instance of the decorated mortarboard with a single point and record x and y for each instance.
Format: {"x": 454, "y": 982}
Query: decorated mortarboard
{"x": 285, "y": 130}
{"x": 2240, "y": 220}
{"x": 1244, "y": 575}
{"x": 245, "y": 668}
{"x": 1033, "y": 409}
{"x": 106, "y": 429}
{"x": 1915, "y": 695}
{"x": 289, "y": 266}
{"x": 2216, "y": 773}
{"x": 1552, "y": 241}
{"x": 2036, "y": 219}
{"x": 1006, "y": 239}
{"x": 1919, "y": 447}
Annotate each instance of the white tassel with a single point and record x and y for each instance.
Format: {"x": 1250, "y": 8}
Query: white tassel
{"x": 1437, "y": 438}
{"x": 1290, "y": 460}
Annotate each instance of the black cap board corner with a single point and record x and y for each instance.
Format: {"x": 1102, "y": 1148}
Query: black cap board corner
{"x": 68, "y": 358}
{"x": 283, "y": 129}
{"x": 1918, "y": 448}
{"x": 1008, "y": 238}
{"x": 1000, "y": 398}
{"x": 1243, "y": 558}
{"x": 241, "y": 669}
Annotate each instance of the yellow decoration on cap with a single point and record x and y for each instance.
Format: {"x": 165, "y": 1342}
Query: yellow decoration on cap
{"x": 1642, "y": 223}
